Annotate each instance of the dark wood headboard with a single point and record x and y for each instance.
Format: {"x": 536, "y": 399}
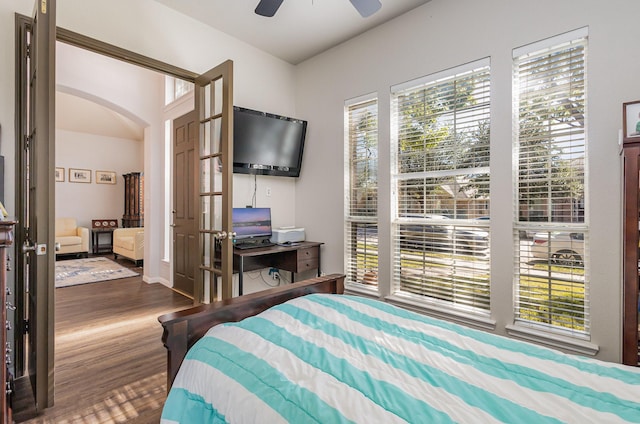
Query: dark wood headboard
{"x": 183, "y": 328}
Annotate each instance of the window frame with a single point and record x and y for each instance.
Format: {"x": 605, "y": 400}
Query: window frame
{"x": 445, "y": 309}
{"x": 549, "y": 333}
{"x": 370, "y": 278}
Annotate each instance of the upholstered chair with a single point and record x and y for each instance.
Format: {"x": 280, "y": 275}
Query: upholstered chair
{"x": 129, "y": 242}
{"x": 70, "y": 238}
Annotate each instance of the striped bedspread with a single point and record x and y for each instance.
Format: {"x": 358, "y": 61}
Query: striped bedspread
{"x": 338, "y": 358}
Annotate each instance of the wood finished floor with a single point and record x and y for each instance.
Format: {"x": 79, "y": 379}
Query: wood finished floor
{"x": 109, "y": 358}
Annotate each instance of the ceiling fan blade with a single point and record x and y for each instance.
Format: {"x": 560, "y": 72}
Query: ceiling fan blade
{"x": 268, "y": 8}
{"x": 366, "y": 8}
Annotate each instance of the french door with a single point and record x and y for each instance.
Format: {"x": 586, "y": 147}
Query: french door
{"x": 202, "y": 143}
{"x": 214, "y": 108}
{"x": 35, "y": 205}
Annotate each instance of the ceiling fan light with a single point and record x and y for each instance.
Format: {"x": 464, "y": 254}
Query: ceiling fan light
{"x": 268, "y": 8}
{"x": 366, "y": 8}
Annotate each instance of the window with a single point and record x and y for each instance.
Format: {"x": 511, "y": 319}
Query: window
{"x": 551, "y": 234}
{"x": 441, "y": 126}
{"x": 175, "y": 88}
{"x": 361, "y": 191}
{"x": 166, "y": 251}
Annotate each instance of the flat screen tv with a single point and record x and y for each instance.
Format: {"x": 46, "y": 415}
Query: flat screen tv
{"x": 251, "y": 223}
{"x": 267, "y": 144}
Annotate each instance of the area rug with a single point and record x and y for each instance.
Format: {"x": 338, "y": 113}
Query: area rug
{"x": 90, "y": 270}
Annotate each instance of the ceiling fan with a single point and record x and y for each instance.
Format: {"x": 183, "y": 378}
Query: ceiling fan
{"x": 366, "y": 8}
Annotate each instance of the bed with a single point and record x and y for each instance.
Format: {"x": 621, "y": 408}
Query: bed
{"x": 311, "y": 354}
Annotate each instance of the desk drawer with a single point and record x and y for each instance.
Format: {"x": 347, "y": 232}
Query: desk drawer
{"x": 307, "y": 265}
{"x": 308, "y": 253}
{"x": 307, "y": 259}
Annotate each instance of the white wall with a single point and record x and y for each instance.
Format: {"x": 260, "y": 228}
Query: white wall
{"x": 7, "y": 99}
{"x": 97, "y": 153}
{"x": 146, "y": 27}
{"x": 260, "y": 82}
{"x": 443, "y": 34}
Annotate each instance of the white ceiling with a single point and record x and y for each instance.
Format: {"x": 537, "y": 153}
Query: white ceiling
{"x": 299, "y": 30}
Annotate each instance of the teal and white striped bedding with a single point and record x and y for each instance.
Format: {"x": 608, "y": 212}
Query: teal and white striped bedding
{"x": 338, "y": 358}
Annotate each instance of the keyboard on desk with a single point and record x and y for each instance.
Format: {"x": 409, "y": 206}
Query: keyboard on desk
{"x": 243, "y": 246}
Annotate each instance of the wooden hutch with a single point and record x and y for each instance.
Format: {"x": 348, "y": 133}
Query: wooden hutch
{"x": 631, "y": 218}
{"x": 133, "y": 200}
{"x": 6, "y": 240}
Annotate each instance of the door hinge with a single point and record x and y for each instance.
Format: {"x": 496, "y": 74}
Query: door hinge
{"x": 25, "y": 326}
{"x": 28, "y": 51}
{"x": 27, "y": 142}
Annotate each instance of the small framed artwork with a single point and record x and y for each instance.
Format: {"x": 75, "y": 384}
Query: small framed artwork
{"x": 79, "y": 175}
{"x": 105, "y": 177}
{"x": 631, "y": 120}
{"x": 59, "y": 175}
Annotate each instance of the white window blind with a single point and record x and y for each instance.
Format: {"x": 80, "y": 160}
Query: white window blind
{"x": 361, "y": 191}
{"x": 551, "y": 230}
{"x": 441, "y": 129}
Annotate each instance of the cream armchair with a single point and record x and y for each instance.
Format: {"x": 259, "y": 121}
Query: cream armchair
{"x": 71, "y": 238}
{"x": 129, "y": 242}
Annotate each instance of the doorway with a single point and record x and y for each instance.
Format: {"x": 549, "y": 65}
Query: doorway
{"x": 45, "y": 168}
{"x": 214, "y": 102}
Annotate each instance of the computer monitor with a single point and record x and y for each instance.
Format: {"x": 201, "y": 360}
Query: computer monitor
{"x": 251, "y": 223}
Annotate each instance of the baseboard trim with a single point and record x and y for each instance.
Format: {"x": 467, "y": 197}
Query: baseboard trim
{"x": 154, "y": 280}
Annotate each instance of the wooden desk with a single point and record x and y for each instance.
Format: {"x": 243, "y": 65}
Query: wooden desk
{"x": 294, "y": 258}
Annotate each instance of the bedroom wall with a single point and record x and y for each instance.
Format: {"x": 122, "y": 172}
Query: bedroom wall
{"x": 443, "y": 34}
{"x": 260, "y": 82}
{"x": 7, "y": 97}
{"x": 146, "y": 27}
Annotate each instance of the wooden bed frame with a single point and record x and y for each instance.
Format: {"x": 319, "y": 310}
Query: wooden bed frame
{"x": 183, "y": 328}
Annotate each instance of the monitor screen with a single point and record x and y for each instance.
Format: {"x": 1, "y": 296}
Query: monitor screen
{"x": 267, "y": 144}
{"x": 251, "y": 223}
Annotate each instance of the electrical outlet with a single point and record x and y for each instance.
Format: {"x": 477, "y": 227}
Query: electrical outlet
{"x": 273, "y": 272}
{"x": 268, "y": 192}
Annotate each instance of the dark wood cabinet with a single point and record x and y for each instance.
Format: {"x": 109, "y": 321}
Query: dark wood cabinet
{"x": 631, "y": 224}
{"x": 6, "y": 239}
{"x": 133, "y": 200}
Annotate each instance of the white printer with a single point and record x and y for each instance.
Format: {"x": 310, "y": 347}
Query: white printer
{"x": 287, "y": 235}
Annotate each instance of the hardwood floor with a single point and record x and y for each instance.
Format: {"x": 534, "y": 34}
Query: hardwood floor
{"x": 109, "y": 359}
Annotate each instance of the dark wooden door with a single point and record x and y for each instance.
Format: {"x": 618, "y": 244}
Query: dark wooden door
{"x": 35, "y": 206}
{"x": 184, "y": 213}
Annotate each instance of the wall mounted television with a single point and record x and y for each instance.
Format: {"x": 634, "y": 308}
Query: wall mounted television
{"x": 267, "y": 144}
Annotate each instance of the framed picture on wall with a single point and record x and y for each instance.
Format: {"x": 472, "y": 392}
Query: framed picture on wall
{"x": 631, "y": 120}
{"x": 60, "y": 175}
{"x": 105, "y": 177}
{"x": 79, "y": 175}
